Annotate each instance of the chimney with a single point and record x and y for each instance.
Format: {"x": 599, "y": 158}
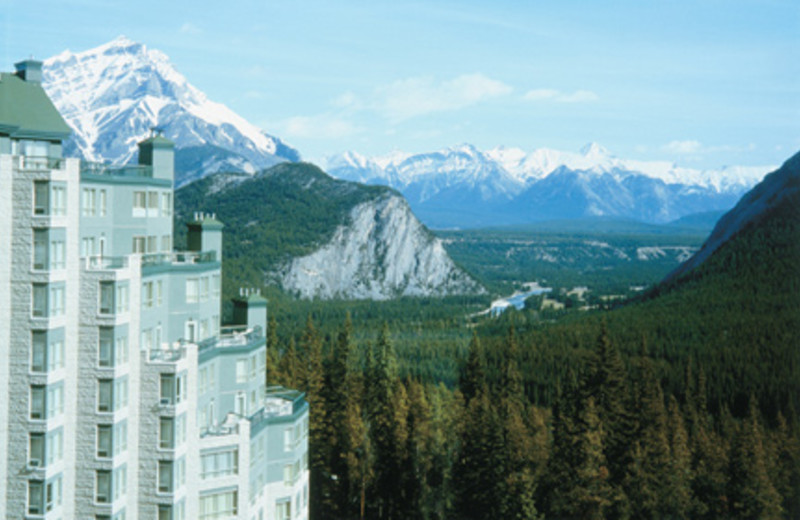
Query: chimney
{"x": 158, "y": 152}
{"x": 250, "y": 309}
{"x": 204, "y": 233}
{"x": 29, "y": 70}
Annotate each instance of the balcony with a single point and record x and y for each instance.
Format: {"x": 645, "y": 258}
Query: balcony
{"x": 111, "y": 170}
{"x": 38, "y": 163}
{"x": 235, "y": 336}
{"x": 170, "y": 355}
{"x": 105, "y": 263}
{"x": 178, "y": 258}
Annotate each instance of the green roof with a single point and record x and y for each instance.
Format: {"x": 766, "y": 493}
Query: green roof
{"x": 27, "y": 112}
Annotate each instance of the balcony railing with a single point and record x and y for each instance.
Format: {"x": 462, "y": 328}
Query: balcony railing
{"x": 38, "y": 163}
{"x": 170, "y": 355}
{"x": 112, "y": 170}
{"x": 183, "y": 257}
{"x": 104, "y": 263}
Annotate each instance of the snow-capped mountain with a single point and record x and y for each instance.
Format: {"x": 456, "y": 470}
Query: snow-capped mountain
{"x": 113, "y": 95}
{"x": 463, "y": 186}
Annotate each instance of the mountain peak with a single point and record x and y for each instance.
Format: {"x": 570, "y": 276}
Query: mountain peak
{"x": 593, "y": 150}
{"x": 111, "y": 95}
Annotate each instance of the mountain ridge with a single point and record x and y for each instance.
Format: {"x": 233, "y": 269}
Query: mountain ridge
{"x": 507, "y": 186}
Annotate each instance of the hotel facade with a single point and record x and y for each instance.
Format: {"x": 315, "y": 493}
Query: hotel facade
{"x": 121, "y": 396}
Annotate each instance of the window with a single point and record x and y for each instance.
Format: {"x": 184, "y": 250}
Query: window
{"x": 102, "y": 203}
{"x": 159, "y": 292}
{"x": 58, "y": 300}
{"x": 166, "y": 243}
{"x": 180, "y": 427}
{"x": 203, "y": 329}
{"x": 240, "y": 404}
{"x": 105, "y": 347}
{"x": 138, "y": 244}
{"x": 55, "y": 355}
{"x": 139, "y": 202}
{"x": 219, "y": 464}
{"x": 105, "y": 395}
{"x": 39, "y": 300}
{"x": 58, "y": 259}
{"x": 180, "y": 473}
{"x": 164, "y": 512}
{"x": 152, "y": 200}
{"x": 219, "y": 506}
{"x": 54, "y": 450}
{"x": 166, "y": 433}
{"x": 166, "y": 204}
{"x": 241, "y": 370}
{"x": 58, "y": 200}
{"x": 167, "y": 389}
{"x": 253, "y": 360}
{"x": 52, "y": 494}
{"x": 121, "y": 350}
{"x": 147, "y": 294}
{"x": 102, "y": 493}
{"x": 291, "y": 472}
{"x": 38, "y": 351}
{"x": 204, "y": 289}
{"x": 283, "y": 510}
{"x": 147, "y": 339}
{"x": 41, "y": 198}
{"x": 88, "y": 247}
{"x": 104, "y": 441}
{"x": 40, "y": 240}
{"x": 120, "y": 441}
{"x": 192, "y": 290}
{"x": 88, "y": 202}
{"x": 37, "y": 404}
{"x": 55, "y": 401}
{"x": 122, "y": 298}
{"x": 215, "y": 285}
{"x": 35, "y": 497}
{"x": 36, "y": 443}
{"x": 107, "y": 297}
{"x": 180, "y": 389}
{"x": 120, "y": 481}
{"x": 165, "y": 476}
{"x": 120, "y": 394}
{"x": 152, "y": 245}
{"x": 191, "y": 331}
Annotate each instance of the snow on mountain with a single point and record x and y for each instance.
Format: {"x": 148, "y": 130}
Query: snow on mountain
{"x": 113, "y": 95}
{"x": 511, "y": 186}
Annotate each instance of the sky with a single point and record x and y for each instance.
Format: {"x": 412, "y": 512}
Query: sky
{"x": 704, "y": 83}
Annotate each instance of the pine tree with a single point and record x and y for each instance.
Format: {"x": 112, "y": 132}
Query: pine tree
{"x": 473, "y": 374}
{"x": 750, "y": 491}
{"x": 677, "y": 488}
{"x": 273, "y": 375}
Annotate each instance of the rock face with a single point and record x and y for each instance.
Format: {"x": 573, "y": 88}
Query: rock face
{"x": 296, "y": 227}
{"x": 113, "y": 95}
{"x": 465, "y": 187}
{"x": 381, "y": 253}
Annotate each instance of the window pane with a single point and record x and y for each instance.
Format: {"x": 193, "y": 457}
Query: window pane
{"x": 40, "y": 239}
{"x": 40, "y": 300}
{"x": 38, "y": 351}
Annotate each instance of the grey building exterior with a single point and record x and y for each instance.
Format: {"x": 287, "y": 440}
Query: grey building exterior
{"x": 121, "y": 396}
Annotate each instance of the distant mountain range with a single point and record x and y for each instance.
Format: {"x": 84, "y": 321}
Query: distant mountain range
{"x": 467, "y": 187}
{"x": 113, "y": 95}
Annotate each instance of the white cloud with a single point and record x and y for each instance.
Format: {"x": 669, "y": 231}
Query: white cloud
{"x": 549, "y": 94}
{"x": 190, "y": 28}
{"x": 683, "y": 147}
{"x": 412, "y": 97}
{"x": 322, "y": 126}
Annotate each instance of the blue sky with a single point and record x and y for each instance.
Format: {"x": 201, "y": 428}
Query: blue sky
{"x": 703, "y": 83}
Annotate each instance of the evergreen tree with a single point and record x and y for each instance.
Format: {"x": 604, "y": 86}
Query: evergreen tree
{"x": 677, "y": 487}
{"x": 473, "y": 374}
{"x": 273, "y": 353}
{"x": 750, "y": 491}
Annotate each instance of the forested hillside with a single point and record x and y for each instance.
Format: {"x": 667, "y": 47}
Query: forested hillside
{"x": 683, "y": 404}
